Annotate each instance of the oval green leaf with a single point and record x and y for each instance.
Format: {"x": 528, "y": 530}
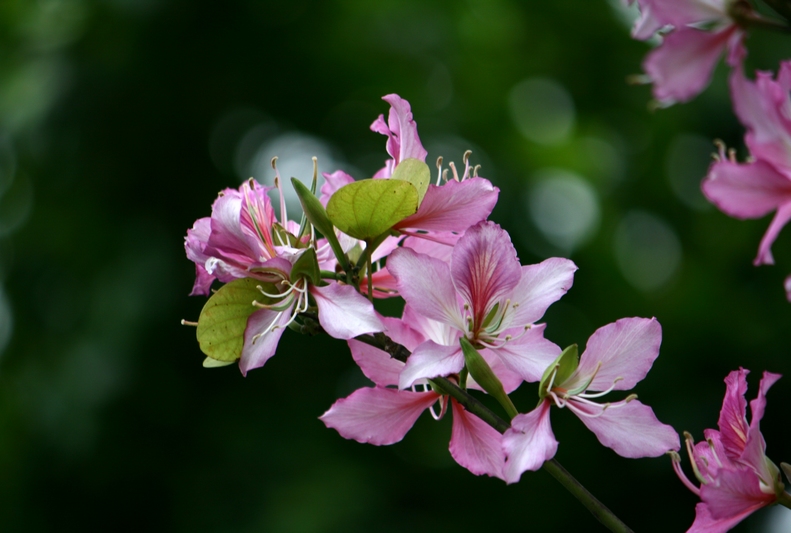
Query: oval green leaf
{"x": 366, "y": 209}
{"x": 223, "y": 319}
{"x": 415, "y": 172}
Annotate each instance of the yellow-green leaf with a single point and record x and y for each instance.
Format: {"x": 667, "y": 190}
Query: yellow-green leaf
{"x": 415, "y": 172}
{"x": 366, "y": 209}
{"x": 223, "y": 319}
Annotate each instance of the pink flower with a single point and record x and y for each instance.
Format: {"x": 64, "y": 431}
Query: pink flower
{"x": 618, "y": 356}
{"x": 382, "y": 415}
{"x": 240, "y": 240}
{"x": 736, "y": 477}
{"x": 701, "y": 30}
{"x": 763, "y": 185}
{"x": 451, "y": 207}
{"x": 485, "y": 295}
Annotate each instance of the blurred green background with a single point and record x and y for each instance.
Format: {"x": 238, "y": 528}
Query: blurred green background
{"x": 120, "y": 120}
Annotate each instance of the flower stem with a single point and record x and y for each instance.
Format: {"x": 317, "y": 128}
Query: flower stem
{"x": 474, "y": 406}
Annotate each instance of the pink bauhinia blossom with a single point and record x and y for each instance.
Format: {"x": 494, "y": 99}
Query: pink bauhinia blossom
{"x": 762, "y": 185}
{"x": 485, "y": 295}
{"x": 731, "y": 465}
{"x": 383, "y": 414}
{"x": 617, "y": 356}
{"x": 701, "y": 30}
{"x": 240, "y": 240}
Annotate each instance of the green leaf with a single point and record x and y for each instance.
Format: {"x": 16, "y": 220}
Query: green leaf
{"x": 415, "y": 172}
{"x": 366, "y": 209}
{"x": 307, "y": 266}
{"x": 318, "y": 217}
{"x": 566, "y": 363}
{"x": 223, "y": 319}
{"x": 483, "y": 374}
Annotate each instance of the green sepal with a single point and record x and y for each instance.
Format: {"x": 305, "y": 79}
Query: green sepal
{"x": 566, "y": 363}
{"x": 482, "y": 373}
{"x": 214, "y": 363}
{"x": 318, "y": 217}
{"x": 307, "y": 266}
{"x": 222, "y": 321}
{"x": 415, "y": 172}
{"x": 368, "y": 208}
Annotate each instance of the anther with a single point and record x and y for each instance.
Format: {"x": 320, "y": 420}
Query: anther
{"x": 273, "y": 162}
{"x": 466, "y": 156}
{"x": 189, "y": 323}
{"x": 475, "y": 170}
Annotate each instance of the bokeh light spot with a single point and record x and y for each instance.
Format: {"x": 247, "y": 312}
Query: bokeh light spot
{"x": 647, "y": 250}
{"x": 542, "y": 110}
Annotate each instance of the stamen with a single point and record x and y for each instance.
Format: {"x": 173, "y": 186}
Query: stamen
{"x": 675, "y": 458}
{"x": 582, "y": 412}
{"x": 452, "y": 166}
{"x": 188, "y": 323}
{"x": 445, "y": 175}
{"x": 439, "y": 170}
{"x": 466, "y": 159}
{"x": 600, "y": 394}
{"x": 689, "y": 441}
{"x": 475, "y": 171}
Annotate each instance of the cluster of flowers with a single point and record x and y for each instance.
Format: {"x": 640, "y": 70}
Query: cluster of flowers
{"x": 470, "y": 318}
{"x": 735, "y": 475}
{"x": 695, "y": 33}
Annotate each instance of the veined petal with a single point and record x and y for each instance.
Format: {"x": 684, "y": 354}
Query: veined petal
{"x": 376, "y": 364}
{"x": 704, "y": 523}
{"x": 629, "y": 428}
{"x": 403, "y": 142}
{"x": 344, "y": 313}
{"x": 529, "y": 442}
{"x": 529, "y": 354}
{"x": 755, "y": 447}
{"x": 735, "y": 492}
{"x": 476, "y": 445}
{"x": 683, "y": 12}
{"x": 377, "y": 415}
{"x": 780, "y": 219}
{"x": 508, "y": 378}
{"x": 681, "y": 66}
{"x": 733, "y": 415}
{"x": 539, "y": 287}
{"x": 433, "y": 330}
{"x": 746, "y": 190}
{"x": 426, "y": 285}
{"x": 625, "y": 349}
{"x": 438, "y": 245}
{"x": 256, "y": 352}
{"x": 431, "y": 360}
{"x": 484, "y": 267}
{"x": 453, "y": 206}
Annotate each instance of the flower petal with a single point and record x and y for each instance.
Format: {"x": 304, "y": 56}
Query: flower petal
{"x": 426, "y": 285}
{"x": 629, "y": 428}
{"x": 344, "y": 313}
{"x": 539, "y": 287}
{"x": 746, "y": 190}
{"x": 681, "y": 66}
{"x": 704, "y": 523}
{"x": 755, "y": 447}
{"x": 624, "y": 350}
{"x": 431, "y": 360}
{"x": 529, "y": 354}
{"x": 735, "y": 492}
{"x": 256, "y": 352}
{"x": 377, "y": 415}
{"x": 476, "y": 445}
{"x": 484, "y": 267}
{"x": 403, "y": 142}
{"x": 454, "y": 206}
{"x": 529, "y": 442}
{"x": 780, "y": 219}
{"x": 733, "y": 415}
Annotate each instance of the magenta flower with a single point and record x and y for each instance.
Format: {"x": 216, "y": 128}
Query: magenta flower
{"x": 382, "y": 415}
{"x": 731, "y": 465}
{"x": 485, "y": 295}
{"x": 617, "y": 356}
{"x": 681, "y": 66}
{"x": 763, "y": 185}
